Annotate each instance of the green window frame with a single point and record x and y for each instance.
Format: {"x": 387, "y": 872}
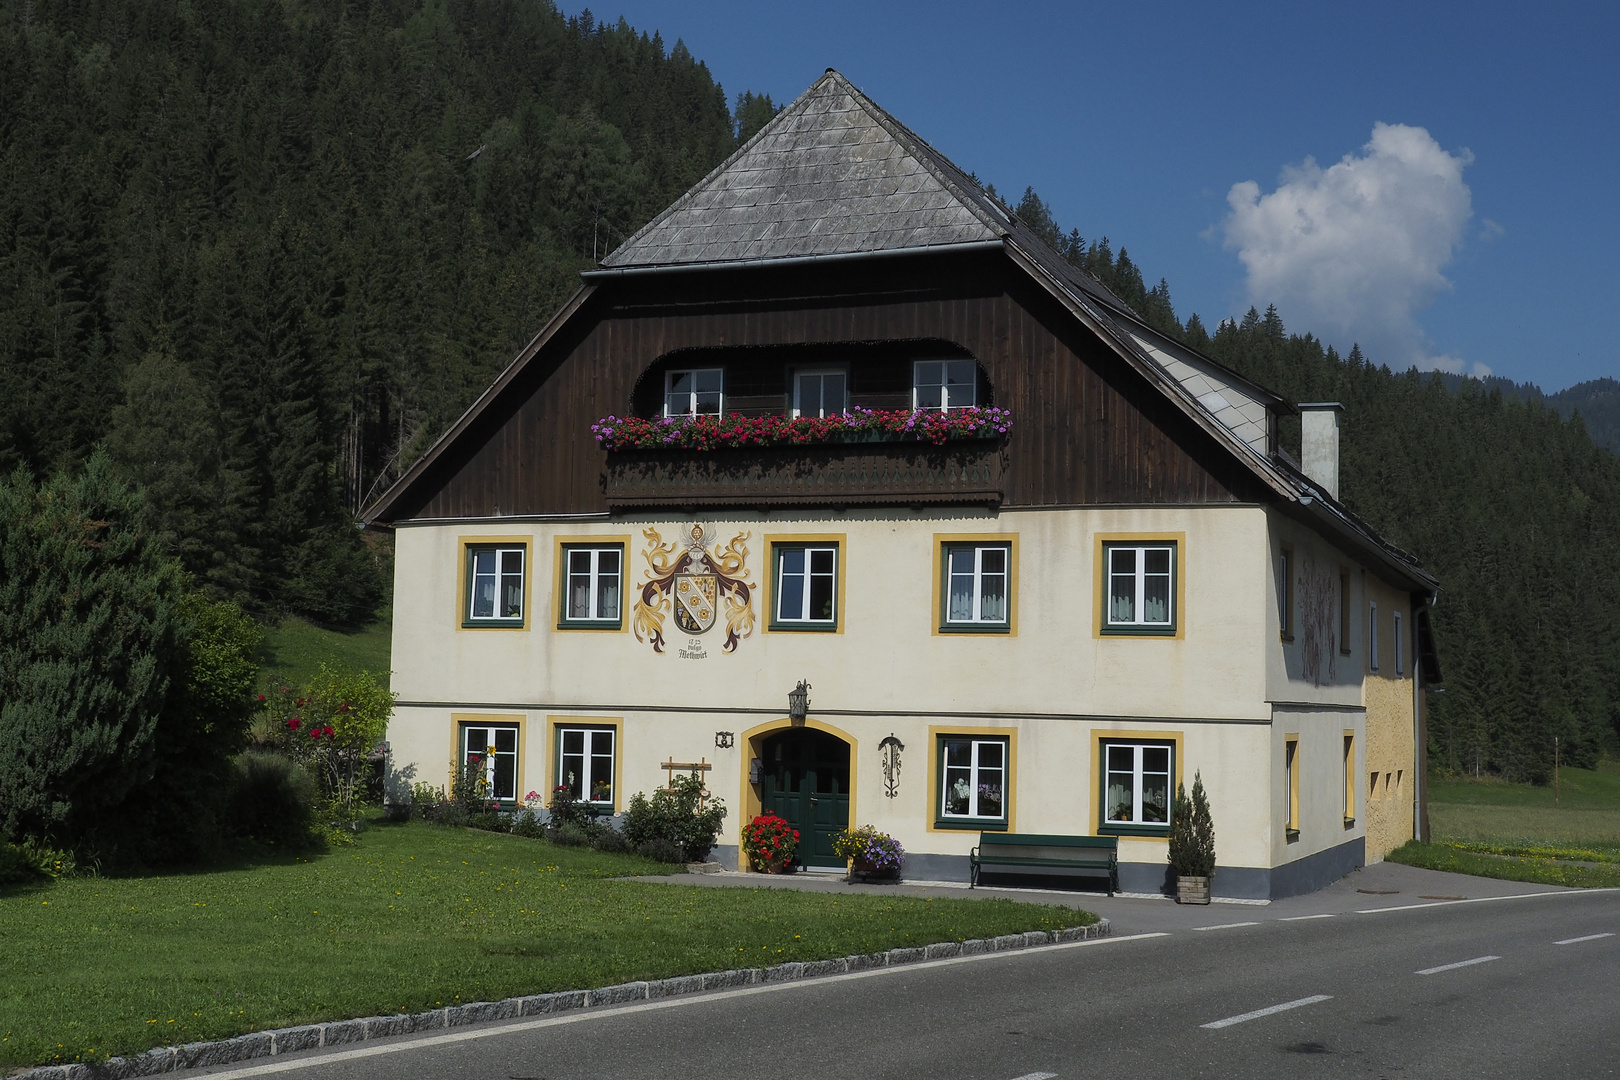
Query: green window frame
{"x": 496, "y": 577}
{"x": 804, "y": 594}
{"x": 592, "y": 587}
{"x": 1137, "y": 788}
{"x": 1141, "y": 583}
{"x": 587, "y": 758}
{"x": 975, "y": 589}
{"x": 493, "y": 750}
{"x": 972, "y": 773}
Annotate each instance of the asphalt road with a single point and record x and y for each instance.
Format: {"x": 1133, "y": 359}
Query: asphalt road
{"x": 1518, "y": 987}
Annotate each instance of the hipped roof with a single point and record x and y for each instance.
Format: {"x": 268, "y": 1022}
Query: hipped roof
{"x": 834, "y": 176}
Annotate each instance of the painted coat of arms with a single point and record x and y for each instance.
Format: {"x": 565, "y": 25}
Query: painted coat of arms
{"x": 694, "y": 583}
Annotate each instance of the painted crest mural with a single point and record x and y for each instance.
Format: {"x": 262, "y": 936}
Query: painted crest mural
{"x": 696, "y": 583}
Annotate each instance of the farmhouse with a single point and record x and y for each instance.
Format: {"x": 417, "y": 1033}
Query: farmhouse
{"x": 1033, "y": 563}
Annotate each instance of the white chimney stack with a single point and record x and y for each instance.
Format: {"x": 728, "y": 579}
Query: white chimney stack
{"x": 1319, "y": 443}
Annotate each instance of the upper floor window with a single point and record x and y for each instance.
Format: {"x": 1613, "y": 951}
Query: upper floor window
{"x": 1141, "y": 587}
{"x": 807, "y": 586}
{"x": 943, "y": 385}
{"x": 819, "y": 393}
{"x": 495, "y": 585}
{"x": 694, "y": 392}
{"x": 976, "y": 586}
{"x": 591, "y": 589}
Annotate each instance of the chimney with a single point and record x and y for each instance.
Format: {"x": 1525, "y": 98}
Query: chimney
{"x": 1319, "y": 443}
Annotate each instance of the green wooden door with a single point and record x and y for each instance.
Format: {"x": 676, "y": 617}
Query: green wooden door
{"x": 806, "y": 782}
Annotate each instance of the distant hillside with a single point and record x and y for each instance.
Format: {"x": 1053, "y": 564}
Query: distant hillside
{"x": 1597, "y": 400}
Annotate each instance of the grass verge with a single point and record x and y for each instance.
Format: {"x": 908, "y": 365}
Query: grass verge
{"x": 412, "y": 917}
{"x": 1452, "y": 858}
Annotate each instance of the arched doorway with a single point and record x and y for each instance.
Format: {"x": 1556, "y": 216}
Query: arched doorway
{"x": 805, "y": 780}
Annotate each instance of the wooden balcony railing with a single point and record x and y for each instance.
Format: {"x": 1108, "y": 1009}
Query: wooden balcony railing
{"x": 836, "y": 474}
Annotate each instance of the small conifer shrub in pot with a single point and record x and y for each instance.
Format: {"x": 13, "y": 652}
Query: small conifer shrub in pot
{"x": 1192, "y": 844}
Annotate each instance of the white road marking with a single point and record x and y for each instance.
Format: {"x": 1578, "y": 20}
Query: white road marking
{"x": 1484, "y": 900}
{"x": 1458, "y": 964}
{"x": 1578, "y": 940}
{"x": 1226, "y": 926}
{"x": 584, "y": 1015}
{"x": 1037, "y": 1076}
{"x": 1258, "y": 1013}
{"x": 1302, "y": 918}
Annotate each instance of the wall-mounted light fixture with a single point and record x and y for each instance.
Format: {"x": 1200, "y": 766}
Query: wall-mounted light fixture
{"x": 799, "y": 702}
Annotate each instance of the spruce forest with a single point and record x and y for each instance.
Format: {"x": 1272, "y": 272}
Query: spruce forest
{"x": 262, "y": 252}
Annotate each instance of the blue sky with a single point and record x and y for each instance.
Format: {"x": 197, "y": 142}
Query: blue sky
{"x": 1477, "y": 229}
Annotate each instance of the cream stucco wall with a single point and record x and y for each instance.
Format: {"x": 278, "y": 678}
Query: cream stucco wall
{"x": 1054, "y": 685}
{"x": 1391, "y": 734}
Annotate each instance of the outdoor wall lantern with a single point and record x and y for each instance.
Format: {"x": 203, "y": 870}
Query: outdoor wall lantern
{"x": 799, "y": 702}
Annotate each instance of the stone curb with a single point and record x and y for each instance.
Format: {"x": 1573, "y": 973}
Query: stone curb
{"x": 342, "y": 1032}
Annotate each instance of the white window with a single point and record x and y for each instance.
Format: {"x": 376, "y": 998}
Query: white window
{"x": 973, "y": 779}
{"x": 807, "y": 583}
{"x": 489, "y": 752}
{"x": 1400, "y": 647}
{"x": 819, "y": 393}
{"x": 495, "y": 592}
{"x": 585, "y": 763}
{"x": 1141, "y": 587}
{"x": 1372, "y": 635}
{"x": 694, "y": 392}
{"x": 1136, "y": 785}
{"x": 592, "y": 589}
{"x": 943, "y": 385}
{"x": 976, "y": 584}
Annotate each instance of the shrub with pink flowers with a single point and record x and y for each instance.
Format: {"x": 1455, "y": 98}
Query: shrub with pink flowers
{"x": 858, "y": 425}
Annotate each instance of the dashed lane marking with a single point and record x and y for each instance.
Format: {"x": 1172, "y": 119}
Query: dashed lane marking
{"x": 1226, "y": 926}
{"x": 1458, "y": 964}
{"x": 1578, "y": 940}
{"x": 1037, "y": 1076}
{"x": 1243, "y": 1018}
{"x": 1302, "y": 918}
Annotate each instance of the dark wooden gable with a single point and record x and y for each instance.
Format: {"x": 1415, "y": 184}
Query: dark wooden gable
{"x": 1087, "y": 428}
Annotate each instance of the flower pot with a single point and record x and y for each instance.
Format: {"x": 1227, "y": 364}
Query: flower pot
{"x": 865, "y": 872}
{"x": 1192, "y": 890}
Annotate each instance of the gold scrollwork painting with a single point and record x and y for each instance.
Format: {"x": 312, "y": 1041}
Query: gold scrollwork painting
{"x": 691, "y": 584}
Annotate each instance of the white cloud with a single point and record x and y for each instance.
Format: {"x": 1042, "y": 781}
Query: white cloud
{"x": 1353, "y": 252}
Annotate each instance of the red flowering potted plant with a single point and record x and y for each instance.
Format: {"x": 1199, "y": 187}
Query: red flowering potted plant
{"x": 770, "y": 843}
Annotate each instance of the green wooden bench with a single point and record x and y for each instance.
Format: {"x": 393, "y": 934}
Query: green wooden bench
{"x": 1039, "y": 851}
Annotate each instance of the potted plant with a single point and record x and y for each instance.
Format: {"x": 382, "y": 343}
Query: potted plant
{"x": 770, "y": 843}
{"x": 872, "y": 855}
{"x": 1192, "y": 844}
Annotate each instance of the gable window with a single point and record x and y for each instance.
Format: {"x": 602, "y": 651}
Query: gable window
{"x": 806, "y": 586}
{"x": 489, "y": 753}
{"x": 819, "y": 393}
{"x": 1136, "y": 789}
{"x": 494, "y": 585}
{"x": 591, "y": 589}
{"x": 694, "y": 392}
{"x": 1400, "y": 647}
{"x": 943, "y": 385}
{"x": 585, "y": 764}
{"x": 976, "y": 586}
{"x": 1372, "y": 636}
{"x": 972, "y": 773}
{"x": 1141, "y": 588}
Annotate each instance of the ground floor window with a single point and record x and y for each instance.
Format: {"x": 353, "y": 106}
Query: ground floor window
{"x": 490, "y": 752}
{"x": 972, "y": 781}
{"x": 585, "y": 763}
{"x": 1136, "y": 786}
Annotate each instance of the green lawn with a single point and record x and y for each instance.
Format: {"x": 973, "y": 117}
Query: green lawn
{"x": 412, "y": 917}
{"x": 1475, "y": 822}
{"x": 294, "y": 649}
